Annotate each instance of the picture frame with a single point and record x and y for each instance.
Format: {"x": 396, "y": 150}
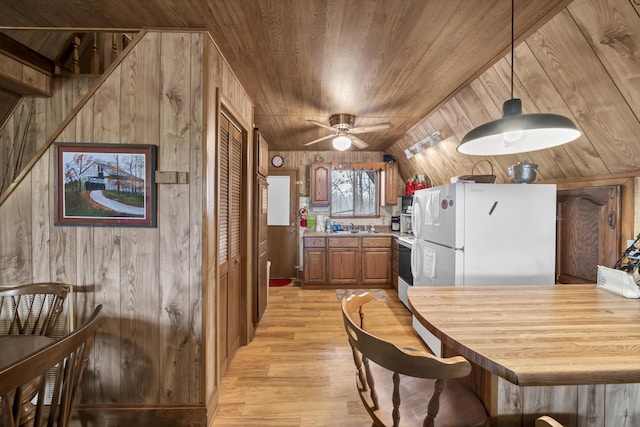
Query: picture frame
{"x": 105, "y": 184}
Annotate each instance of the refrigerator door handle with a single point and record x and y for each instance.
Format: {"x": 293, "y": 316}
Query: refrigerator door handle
{"x": 446, "y": 246}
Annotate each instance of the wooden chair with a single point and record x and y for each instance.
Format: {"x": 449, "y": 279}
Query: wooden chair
{"x": 31, "y": 309}
{"x": 547, "y": 421}
{"x": 408, "y": 387}
{"x": 68, "y": 358}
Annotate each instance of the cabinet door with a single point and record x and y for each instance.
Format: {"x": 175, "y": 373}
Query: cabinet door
{"x": 394, "y": 264}
{"x": 263, "y": 154}
{"x": 390, "y": 187}
{"x": 315, "y": 265}
{"x": 588, "y": 232}
{"x": 320, "y": 176}
{"x": 344, "y": 265}
{"x": 376, "y": 266}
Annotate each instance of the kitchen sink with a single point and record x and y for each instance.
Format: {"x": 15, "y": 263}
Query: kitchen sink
{"x": 351, "y": 232}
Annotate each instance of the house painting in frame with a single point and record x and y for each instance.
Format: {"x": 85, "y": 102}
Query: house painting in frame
{"x": 106, "y": 184}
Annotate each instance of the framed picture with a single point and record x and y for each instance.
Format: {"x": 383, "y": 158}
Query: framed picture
{"x": 106, "y": 185}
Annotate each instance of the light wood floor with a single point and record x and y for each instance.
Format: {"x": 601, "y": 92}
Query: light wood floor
{"x": 298, "y": 370}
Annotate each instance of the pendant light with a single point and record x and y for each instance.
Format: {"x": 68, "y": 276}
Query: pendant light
{"x": 516, "y": 132}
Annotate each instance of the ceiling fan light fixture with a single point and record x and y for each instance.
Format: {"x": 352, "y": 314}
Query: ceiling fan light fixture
{"x": 341, "y": 142}
{"x": 516, "y": 132}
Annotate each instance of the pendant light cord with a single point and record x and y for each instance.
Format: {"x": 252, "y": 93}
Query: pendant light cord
{"x": 512, "y": 41}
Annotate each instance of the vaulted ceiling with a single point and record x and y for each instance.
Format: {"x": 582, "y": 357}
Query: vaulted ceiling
{"x": 381, "y": 60}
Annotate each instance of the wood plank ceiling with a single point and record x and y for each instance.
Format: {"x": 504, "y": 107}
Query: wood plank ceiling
{"x": 384, "y": 61}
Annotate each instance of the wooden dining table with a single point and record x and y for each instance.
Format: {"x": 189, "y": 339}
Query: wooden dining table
{"x": 16, "y": 347}
{"x": 568, "y": 350}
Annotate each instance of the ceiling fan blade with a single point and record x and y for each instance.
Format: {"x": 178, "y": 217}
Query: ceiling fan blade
{"x": 319, "y": 139}
{"x": 371, "y": 128}
{"x": 358, "y": 142}
{"x": 322, "y": 125}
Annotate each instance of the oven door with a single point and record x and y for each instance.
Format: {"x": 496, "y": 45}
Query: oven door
{"x": 404, "y": 263}
{"x": 405, "y": 278}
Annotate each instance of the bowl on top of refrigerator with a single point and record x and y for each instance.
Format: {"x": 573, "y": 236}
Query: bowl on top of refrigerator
{"x": 523, "y": 172}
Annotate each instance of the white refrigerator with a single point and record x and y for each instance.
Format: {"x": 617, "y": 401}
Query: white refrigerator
{"x": 483, "y": 234}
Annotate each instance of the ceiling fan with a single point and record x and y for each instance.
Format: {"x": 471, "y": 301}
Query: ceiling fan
{"x": 344, "y": 132}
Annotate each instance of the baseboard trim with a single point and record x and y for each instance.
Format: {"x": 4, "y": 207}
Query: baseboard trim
{"x": 139, "y": 415}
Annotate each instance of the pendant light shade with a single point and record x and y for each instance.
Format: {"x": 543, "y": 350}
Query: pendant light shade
{"x": 341, "y": 142}
{"x": 516, "y": 132}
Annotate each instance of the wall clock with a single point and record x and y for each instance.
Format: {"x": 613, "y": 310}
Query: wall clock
{"x": 277, "y": 161}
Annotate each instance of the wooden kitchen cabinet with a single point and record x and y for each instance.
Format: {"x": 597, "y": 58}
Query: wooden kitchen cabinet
{"x": 343, "y": 260}
{"x": 390, "y": 184}
{"x": 376, "y": 260}
{"x": 320, "y": 184}
{"x": 262, "y": 154}
{"x": 394, "y": 262}
{"x": 347, "y": 260}
{"x": 315, "y": 264}
{"x": 590, "y": 224}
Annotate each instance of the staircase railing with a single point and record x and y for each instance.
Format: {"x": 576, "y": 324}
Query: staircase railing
{"x": 90, "y": 53}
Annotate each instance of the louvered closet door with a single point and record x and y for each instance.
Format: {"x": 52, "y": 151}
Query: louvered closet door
{"x": 235, "y": 238}
{"x": 230, "y": 203}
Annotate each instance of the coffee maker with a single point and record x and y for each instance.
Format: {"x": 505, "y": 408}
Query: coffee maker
{"x": 395, "y": 223}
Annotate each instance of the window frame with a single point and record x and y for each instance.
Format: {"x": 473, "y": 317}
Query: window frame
{"x": 358, "y": 167}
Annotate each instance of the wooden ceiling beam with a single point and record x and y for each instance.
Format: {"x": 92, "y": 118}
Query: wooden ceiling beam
{"x": 12, "y": 48}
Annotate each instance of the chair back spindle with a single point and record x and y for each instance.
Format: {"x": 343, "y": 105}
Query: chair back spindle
{"x": 67, "y": 358}
{"x": 32, "y": 309}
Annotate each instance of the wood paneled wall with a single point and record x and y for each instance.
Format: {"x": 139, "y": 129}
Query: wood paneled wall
{"x": 149, "y": 351}
{"x": 300, "y": 160}
{"x": 32, "y": 121}
{"x": 583, "y": 64}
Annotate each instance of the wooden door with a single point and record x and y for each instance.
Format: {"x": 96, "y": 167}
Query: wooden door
{"x": 262, "y": 285}
{"x": 282, "y": 239}
{"x": 588, "y": 232}
{"x": 230, "y": 246}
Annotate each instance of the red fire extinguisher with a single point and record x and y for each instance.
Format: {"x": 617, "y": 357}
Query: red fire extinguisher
{"x": 303, "y": 217}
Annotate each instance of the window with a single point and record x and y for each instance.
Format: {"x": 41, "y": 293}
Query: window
{"x": 354, "y": 193}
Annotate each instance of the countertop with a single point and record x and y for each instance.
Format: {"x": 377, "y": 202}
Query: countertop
{"x": 383, "y": 232}
{"x": 537, "y": 335}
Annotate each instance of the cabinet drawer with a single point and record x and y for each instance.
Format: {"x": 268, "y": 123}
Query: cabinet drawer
{"x": 376, "y": 242}
{"x": 344, "y": 242}
{"x": 314, "y": 242}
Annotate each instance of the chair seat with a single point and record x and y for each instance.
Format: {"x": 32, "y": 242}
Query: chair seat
{"x": 459, "y": 406}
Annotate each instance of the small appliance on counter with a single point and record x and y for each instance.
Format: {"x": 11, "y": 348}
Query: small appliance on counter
{"x": 407, "y": 204}
{"x": 395, "y": 223}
